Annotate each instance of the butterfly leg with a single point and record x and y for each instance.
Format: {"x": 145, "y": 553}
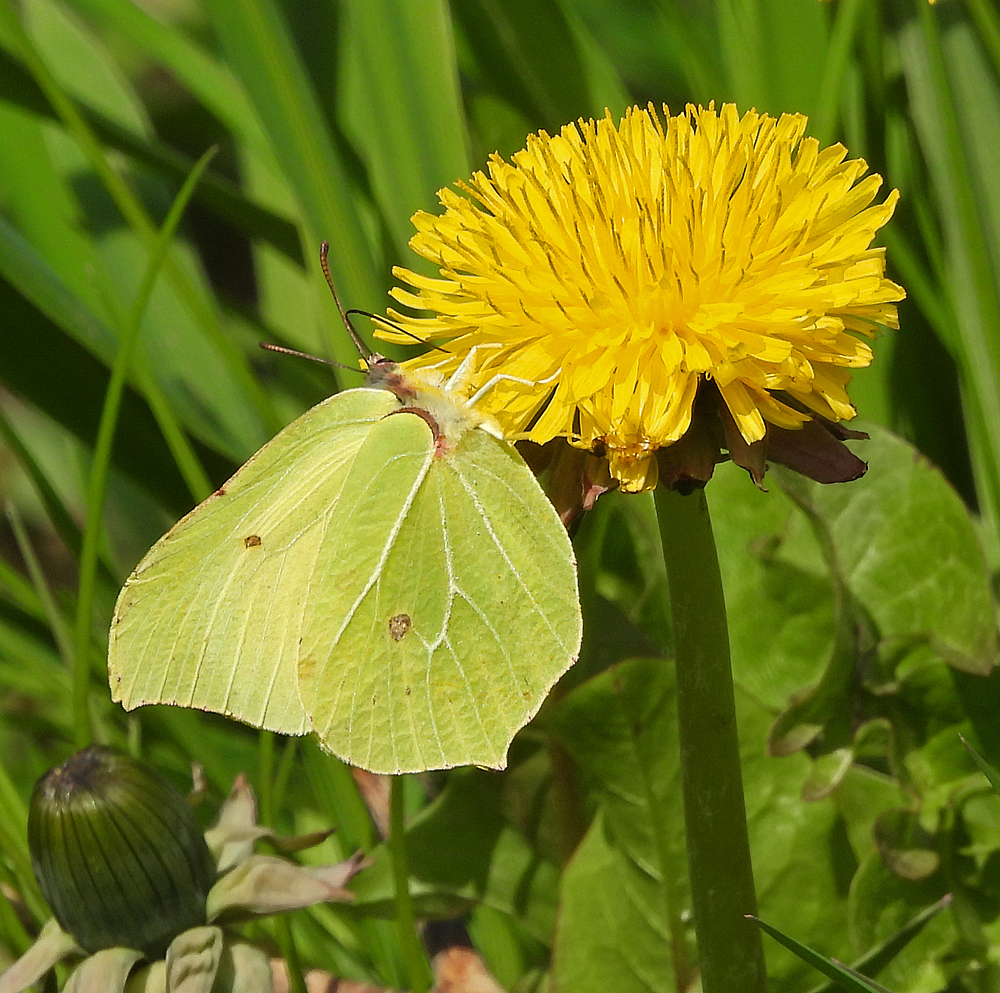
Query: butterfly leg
{"x": 502, "y": 377}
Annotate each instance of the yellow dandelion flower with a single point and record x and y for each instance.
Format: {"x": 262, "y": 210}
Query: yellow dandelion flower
{"x": 593, "y": 283}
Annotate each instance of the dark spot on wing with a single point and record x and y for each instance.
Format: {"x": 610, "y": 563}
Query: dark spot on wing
{"x": 251, "y": 541}
{"x": 399, "y": 625}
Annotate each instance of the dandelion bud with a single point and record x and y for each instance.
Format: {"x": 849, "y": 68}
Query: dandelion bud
{"x": 118, "y": 853}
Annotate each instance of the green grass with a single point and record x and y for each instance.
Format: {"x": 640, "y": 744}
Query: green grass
{"x": 338, "y": 122}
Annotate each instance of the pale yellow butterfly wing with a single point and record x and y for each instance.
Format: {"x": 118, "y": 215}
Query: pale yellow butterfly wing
{"x": 211, "y": 616}
{"x": 464, "y": 605}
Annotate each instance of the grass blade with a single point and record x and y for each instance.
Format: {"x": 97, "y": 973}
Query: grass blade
{"x": 843, "y": 977}
{"x": 14, "y": 36}
{"x": 97, "y": 485}
{"x": 987, "y": 770}
{"x": 260, "y": 49}
{"x": 404, "y": 76}
{"x": 53, "y": 615}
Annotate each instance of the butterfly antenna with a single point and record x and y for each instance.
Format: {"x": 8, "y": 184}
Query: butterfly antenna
{"x": 283, "y": 350}
{"x": 363, "y": 349}
{"x": 393, "y": 326}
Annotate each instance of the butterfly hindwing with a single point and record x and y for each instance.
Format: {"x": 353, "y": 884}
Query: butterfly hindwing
{"x": 466, "y": 612}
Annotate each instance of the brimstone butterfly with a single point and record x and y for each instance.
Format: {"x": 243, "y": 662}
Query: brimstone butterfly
{"x": 386, "y": 572}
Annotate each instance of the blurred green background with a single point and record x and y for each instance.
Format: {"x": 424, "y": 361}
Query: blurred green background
{"x": 338, "y": 120}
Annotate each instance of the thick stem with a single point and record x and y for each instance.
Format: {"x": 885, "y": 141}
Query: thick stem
{"x": 410, "y": 950}
{"x": 730, "y": 949}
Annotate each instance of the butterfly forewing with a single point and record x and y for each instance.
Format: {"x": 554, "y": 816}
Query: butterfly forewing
{"x": 211, "y": 617}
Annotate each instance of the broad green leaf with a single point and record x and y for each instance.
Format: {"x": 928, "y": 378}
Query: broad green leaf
{"x": 628, "y": 571}
{"x": 779, "y": 600}
{"x": 906, "y": 848}
{"x": 628, "y": 877}
{"x": 618, "y": 726}
{"x": 861, "y": 796}
{"x": 612, "y": 932}
{"x": 911, "y": 556}
{"x": 804, "y": 897}
{"x": 912, "y": 572}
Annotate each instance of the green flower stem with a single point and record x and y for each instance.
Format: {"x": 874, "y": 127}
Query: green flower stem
{"x": 418, "y": 973}
{"x": 290, "y": 953}
{"x": 730, "y": 950}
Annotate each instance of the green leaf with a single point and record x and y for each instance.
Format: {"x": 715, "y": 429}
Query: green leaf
{"x": 774, "y": 52}
{"x": 620, "y": 728}
{"x": 209, "y": 372}
{"x": 779, "y": 599}
{"x": 611, "y": 932}
{"x": 883, "y": 954}
{"x": 906, "y": 848}
{"x": 252, "y": 218}
{"x": 525, "y": 54}
{"x": 910, "y": 554}
{"x": 882, "y": 905}
{"x": 38, "y": 374}
{"x": 902, "y": 549}
{"x": 461, "y": 851}
{"x": 210, "y": 81}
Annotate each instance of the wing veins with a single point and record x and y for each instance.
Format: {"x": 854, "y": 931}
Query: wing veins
{"x": 471, "y": 491}
{"x": 389, "y": 543}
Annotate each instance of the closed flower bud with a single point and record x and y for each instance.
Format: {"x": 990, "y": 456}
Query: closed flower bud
{"x": 118, "y": 853}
